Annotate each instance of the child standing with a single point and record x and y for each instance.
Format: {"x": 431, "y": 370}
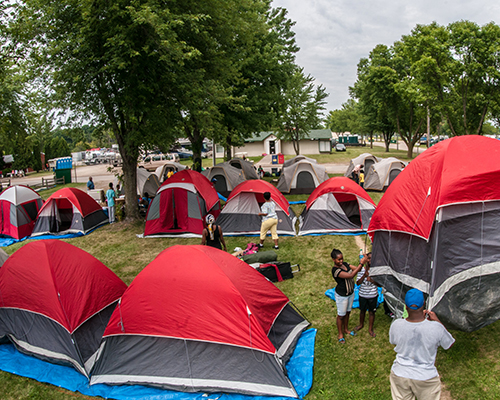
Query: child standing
{"x": 368, "y": 295}
{"x": 110, "y": 197}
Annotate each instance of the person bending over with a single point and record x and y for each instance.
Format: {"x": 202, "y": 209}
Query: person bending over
{"x": 269, "y": 220}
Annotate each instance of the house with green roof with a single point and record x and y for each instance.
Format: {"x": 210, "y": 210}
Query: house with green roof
{"x": 318, "y": 141}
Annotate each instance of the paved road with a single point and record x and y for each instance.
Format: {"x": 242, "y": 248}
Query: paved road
{"x": 99, "y": 173}
{"x": 101, "y": 176}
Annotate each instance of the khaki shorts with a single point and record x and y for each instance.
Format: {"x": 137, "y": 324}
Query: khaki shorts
{"x": 409, "y": 389}
{"x": 269, "y": 224}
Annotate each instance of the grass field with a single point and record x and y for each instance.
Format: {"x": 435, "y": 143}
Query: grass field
{"x": 357, "y": 370}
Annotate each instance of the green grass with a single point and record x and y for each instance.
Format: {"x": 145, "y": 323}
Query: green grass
{"x": 357, "y": 370}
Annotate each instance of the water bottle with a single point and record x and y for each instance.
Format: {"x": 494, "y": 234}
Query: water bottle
{"x": 361, "y": 255}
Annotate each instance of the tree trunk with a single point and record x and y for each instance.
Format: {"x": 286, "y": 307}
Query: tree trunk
{"x": 129, "y": 169}
{"x": 196, "y": 139}
{"x": 296, "y": 144}
{"x": 387, "y": 141}
{"x": 228, "y": 149}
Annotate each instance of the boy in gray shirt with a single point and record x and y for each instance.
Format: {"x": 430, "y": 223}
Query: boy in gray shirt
{"x": 417, "y": 338}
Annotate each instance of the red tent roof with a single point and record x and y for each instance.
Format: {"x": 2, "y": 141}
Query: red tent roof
{"x": 199, "y": 293}
{"x": 58, "y": 280}
{"x": 200, "y": 182}
{"x": 462, "y": 169}
{"x": 259, "y": 187}
{"x": 339, "y": 186}
{"x": 81, "y": 200}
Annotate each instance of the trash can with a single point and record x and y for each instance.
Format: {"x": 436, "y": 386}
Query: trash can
{"x": 274, "y": 159}
{"x": 63, "y": 172}
{"x": 281, "y": 158}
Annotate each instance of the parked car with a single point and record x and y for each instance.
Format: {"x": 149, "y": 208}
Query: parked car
{"x": 340, "y": 147}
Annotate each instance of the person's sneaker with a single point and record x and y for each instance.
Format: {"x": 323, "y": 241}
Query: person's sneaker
{"x": 261, "y": 245}
{"x": 276, "y": 247}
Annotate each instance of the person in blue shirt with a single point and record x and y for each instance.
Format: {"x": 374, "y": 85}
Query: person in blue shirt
{"x": 90, "y": 184}
{"x": 269, "y": 220}
{"x": 110, "y": 197}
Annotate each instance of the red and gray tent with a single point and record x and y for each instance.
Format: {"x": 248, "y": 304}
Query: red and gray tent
{"x": 197, "y": 319}
{"x": 69, "y": 210}
{"x": 240, "y": 214}
{"x": 3, "y": 257}
{"x": 55, "y": 302}
{"x": 437, "y": 229}
{"x": 19, "y": 206}
{"x": 180, "y": 206}
{"x": 338, "y": 205}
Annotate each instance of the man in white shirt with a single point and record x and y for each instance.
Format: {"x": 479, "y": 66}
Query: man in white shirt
{"x": 417, "y": 338}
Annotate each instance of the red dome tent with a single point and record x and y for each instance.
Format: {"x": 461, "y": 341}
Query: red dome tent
{"x": 338, "y": 205}
{"x": 69, "y": 210}
{"x": 55, "y": 302}
{"x": 198, "y": 319}
{"x": 240, "y": 214}
{"x": 436, "y": 229}
{"x": 19, "y": 206}
{"x": 180, "y": 206}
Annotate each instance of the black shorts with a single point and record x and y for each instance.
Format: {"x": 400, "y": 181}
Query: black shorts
{"x": 368, "y": 304}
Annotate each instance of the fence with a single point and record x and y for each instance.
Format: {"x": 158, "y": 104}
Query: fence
{"x": 4, "y": 183}
{"x": 48, "y": 183}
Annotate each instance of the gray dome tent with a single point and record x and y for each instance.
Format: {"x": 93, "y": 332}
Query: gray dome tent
{"x": 298, "y": 158}
{"x": 301, "y": 177}
{"x": 365, "y": 160}
{"x": 162, "y": 171}
{"x": 226, "y": 177}
{"x": 147, "y": 182}
{"x": 381, "y": 174}
{"x": 247, "y": 167}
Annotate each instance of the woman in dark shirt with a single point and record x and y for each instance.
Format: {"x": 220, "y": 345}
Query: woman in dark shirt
{"x": 344, "y": 274}
{"x": 212, "y": 235}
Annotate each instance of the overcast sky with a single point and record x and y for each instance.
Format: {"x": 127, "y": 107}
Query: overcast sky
{"x": 333, "y": 35}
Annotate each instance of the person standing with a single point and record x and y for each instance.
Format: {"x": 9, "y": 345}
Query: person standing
{"x": 260, "y": 172}
{"x": 90, "y": 184}
{"x": 110, "y": 197}
{"x": 344, "y": 274}
{"x": 269, "y": 220}
{"x": 212, "y": 235}
{"x": 417, "y": 338}
{"x": 368, "y": 296}
{"x": 361, "y": 177}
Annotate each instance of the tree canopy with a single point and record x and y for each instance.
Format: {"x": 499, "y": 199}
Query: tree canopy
{"x": 448, "y": 73}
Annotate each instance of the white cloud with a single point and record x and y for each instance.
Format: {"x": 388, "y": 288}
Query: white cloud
{"x": 334, "y": 35}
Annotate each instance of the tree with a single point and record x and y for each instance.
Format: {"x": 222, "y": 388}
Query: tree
{"x": 129, "y": 65}
{"x": 268, "y": 61}
{"x": 301, "y": 109}
{"x": 375, "y": 90}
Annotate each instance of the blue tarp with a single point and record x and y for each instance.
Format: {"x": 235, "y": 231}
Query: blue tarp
{"x": 7, "y": 241}
{"x": 299, "y": 367}
{"x": 4, "y": 242}
{"x": 331, "y": 294}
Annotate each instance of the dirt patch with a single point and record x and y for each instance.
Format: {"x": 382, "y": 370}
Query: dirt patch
{"x": 445, "y": 394}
